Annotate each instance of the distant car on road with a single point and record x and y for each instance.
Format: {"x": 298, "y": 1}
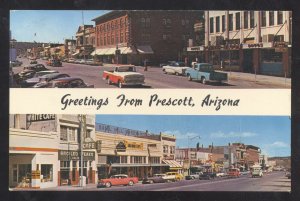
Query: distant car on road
{"x": 33, "y": 62}
{"x": 256, "y": 171}
{"x": 177, "y": 176}
{"x": 115, "y": 180}
{"x": 124, "y": 75}
{"x": 157, "y": 178}
{"x": 193, "y": 176}
{"x": 205, "y": 72}
{"x": 207, "y": 175}
{"x": 69, "y": 82}
{"x": 221, "y": 174}
{"x": 177, "y": 68}
{"x": 234, "y": 172}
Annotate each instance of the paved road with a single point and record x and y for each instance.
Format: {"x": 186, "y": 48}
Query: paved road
{"x": 156, "y": 79}
{"x": 275, "y": 181}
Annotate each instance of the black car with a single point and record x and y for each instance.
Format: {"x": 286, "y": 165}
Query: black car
{"x": 46, "y": 79}
{"x": 207, "y": 175}
{"x": 154, "y": 179}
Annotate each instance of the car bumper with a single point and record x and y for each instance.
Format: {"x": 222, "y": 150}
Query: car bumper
{"x": 133, "y": 83}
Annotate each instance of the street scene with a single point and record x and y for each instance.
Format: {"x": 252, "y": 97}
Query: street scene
{"x": 140, "y": 153}
{"x": 151, "y": 49}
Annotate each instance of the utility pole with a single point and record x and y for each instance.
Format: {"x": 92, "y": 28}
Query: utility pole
{"x": 82, "y": 125}
{"x": 189, "y": 154}
{"x": 83, "y": 41}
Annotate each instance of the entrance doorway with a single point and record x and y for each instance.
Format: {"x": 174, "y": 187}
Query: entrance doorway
{"x": 248, "y": 61}
{"x": 21, "y": 174}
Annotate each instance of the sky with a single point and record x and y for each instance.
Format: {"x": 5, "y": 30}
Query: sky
{"x": 49, "y": 25}
{"x": 271, "y": 133}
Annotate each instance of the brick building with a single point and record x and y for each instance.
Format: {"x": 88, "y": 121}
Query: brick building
{"x": 158, "y": 36}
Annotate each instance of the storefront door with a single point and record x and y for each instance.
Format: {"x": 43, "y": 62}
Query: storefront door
{"x": 248, "y": 61}
{"x": 21, "y": 174}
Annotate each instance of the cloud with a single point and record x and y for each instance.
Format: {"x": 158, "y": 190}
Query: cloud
{"x": 278, "y": 144}
{"x": 180, "y": 135}
{"x": 232, "y": 134}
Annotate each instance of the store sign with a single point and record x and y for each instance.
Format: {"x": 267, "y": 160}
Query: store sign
{"x": 89, "y": 145}
{"x": 133, "y": 145}
{"x": 40, "y": 117}
{"x": 121, "y": 147}
{"x": 257, "y": 45}
{"x": 65, "y": 155}
{"x": 195, "y": 49}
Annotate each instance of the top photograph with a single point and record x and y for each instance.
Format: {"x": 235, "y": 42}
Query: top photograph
{"x": 158, "y": 49}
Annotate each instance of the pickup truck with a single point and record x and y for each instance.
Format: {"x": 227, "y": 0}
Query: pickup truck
{"x": 204, "y": 72}
{"x": 124, "y": 75}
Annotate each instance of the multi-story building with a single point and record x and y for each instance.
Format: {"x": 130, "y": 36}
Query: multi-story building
{"x": 248, "y": 41}
{"x": 132, "y": 152}
{"x": 45, "y": 150}
{"x": 70, "y": 47}
{"x": 135, "y": 36}
{"x": 85, "y": 41}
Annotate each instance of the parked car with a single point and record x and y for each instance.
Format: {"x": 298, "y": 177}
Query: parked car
{"x": 124, "y": 75}
{"x": 69, "y": 82}
{"x": 15, "y": 63}
{"x": 45, "y": 79}
{"x": 245, "y": 172}
{"x": 28, "y": 72}
{"x": 71, "y": 60}
{"x": 207, "y": 175}
{"x": 256, "y": 171}
{"x": 234, "y": 172}
{"x": 33, "y": 62}
{"x": 36, "y": 78}
{"x": 82, "y": 61}
{"x": 157, "y": 178}
{"x": 56, "y": 63}
{"x": 177, "y": 68}
{"x": 193, "y": 176}
{"x": 167, "y": 63}
{"x": 115, "y": 180}
{"x": 174, "y": 175}
{"x": 221, "y": 174}
{"x": 205, "y": 72}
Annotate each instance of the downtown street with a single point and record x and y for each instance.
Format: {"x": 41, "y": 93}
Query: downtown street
{"x": 155, "y": 78}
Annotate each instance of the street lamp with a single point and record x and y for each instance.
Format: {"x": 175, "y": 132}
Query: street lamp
{"x": 189, "y": 155}
{"x": 80, "y": 119}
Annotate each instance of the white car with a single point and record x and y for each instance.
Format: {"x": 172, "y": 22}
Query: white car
{"x": 177, "y": 68}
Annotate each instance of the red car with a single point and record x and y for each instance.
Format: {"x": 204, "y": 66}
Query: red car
{"x": 234, "y": 172}
{"x": 115, "y": 180}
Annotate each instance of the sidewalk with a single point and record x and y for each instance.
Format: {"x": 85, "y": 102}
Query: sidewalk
{"x": 260, "y": 79}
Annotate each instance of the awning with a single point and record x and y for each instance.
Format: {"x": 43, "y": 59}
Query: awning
{"x": 93, "y": 53}
{"x": 127, "y": 50}
{"x": 172, "y": 164}
{"x": 112, "y": 51}
{"x": 145, "y": 49}
{"x": 76, "y": 53}
{"x": 133, "y": 165}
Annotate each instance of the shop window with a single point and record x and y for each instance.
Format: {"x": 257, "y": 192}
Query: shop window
{"x": 251, "y": 19}
{"x": 154, "y": 160}
{"x": 218, "y": 24}
{"x": 271, "y": 18}
{"x": 65, "y": 164}
{"x": 137, "y": 159}
{"x": 211, "y": 25}
{"x": 263, "y": 19}
{"x": 123, "y": 159}
{"x": 245, "y": 19}
{"x": 279, "y": 17}
{"x": 223, "y": 23}
{"x": 47, "y": 172}
{"x": 24, "y": 174}
{"x": 230, "y": 22}
{"x": 237, "y": 21}
{"x": 269, "y": 55}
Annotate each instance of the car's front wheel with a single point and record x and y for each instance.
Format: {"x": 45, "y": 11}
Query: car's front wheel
{"x": 120, "y": 84}
{"x": 189, "y": 78}
{"x": 130, "y": 183}
{"x": 108, "y": 81}
{"x": 107, "y": 184}
{"x": 203, "y": 80}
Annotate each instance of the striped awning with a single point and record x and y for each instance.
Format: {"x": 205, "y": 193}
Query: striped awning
{"x": 112, "y": 51}
{"x": 145, "y": 49}
{"x": 172, "y": 164}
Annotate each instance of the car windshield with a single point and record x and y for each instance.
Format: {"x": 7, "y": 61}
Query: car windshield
{"x": 126, "y": 69}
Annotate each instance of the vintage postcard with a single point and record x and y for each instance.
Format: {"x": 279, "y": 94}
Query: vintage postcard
{"x": 150, "y": 100}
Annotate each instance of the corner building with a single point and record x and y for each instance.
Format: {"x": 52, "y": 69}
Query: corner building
{"x": 130, "y": 37}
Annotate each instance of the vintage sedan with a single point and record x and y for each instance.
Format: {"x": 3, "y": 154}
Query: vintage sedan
{"x": 36, "y": 78}
{"x": 28, "y": 72}
{"x": 69, "y": 82}
{"x": 124, "y": 75}
{"x": 115, "y": 180}
{"x": 177, "y": 68}
{"x": 207, "y": 176}
{"x": 46, "y": 79}
{"x": 157, "y": 178}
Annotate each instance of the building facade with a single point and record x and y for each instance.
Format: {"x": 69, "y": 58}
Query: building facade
{"x": 135, "y": 153}
{"x": 45, "y": 150}
{"x": 135, "y": 36}
{"x": 248, "y": 41}
{"x": 85, "y": 41}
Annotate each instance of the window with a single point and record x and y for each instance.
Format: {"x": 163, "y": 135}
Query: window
{"x": 230, "y": 22}
{"x": 108, "y": 40}
{"x": 172, "y": 149}
{"x": 121, "y": 23}
{"x": 116, "y": 24}
{"x": 71, "y": 134}
{"x": 47, "y": 172}
{"x": 123, "y": 159}
{"x": 154, "y": 160}
{"x": 245, "y": 19}
{"x": 167, "y": 22}
{"x": 237, "y": 21}
{"x": 218, "y": 24}
{"x": 121, "y": 38}
{"x": 279, "y": 17}
{"x": 112, "y": 40}
{"x": 104, "y": 40}
{"x": 263, "y": 19}
{"x": 64, "y": 164}
{"x": 117, "y": 39}
{"x": 112, "y": 26}
{"x": 271, "y": 18}
{"x": 138, "y": 159}
{"x": 251, "y": 19}
{"x": 223, "y": 23}
{"x": 211, "y": 25}
{"x": 166, "y": 36}
{"x": 166, "y": 149}
{"x": 63, "y": 133}
{"x": 101, "y": 41}
{"x": 88, "y": 133}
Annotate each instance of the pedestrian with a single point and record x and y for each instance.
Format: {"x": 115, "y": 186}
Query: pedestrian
{"x": 145, "y": 65}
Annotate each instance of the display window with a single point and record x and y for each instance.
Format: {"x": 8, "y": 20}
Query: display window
{"x": 46, "y": 172}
